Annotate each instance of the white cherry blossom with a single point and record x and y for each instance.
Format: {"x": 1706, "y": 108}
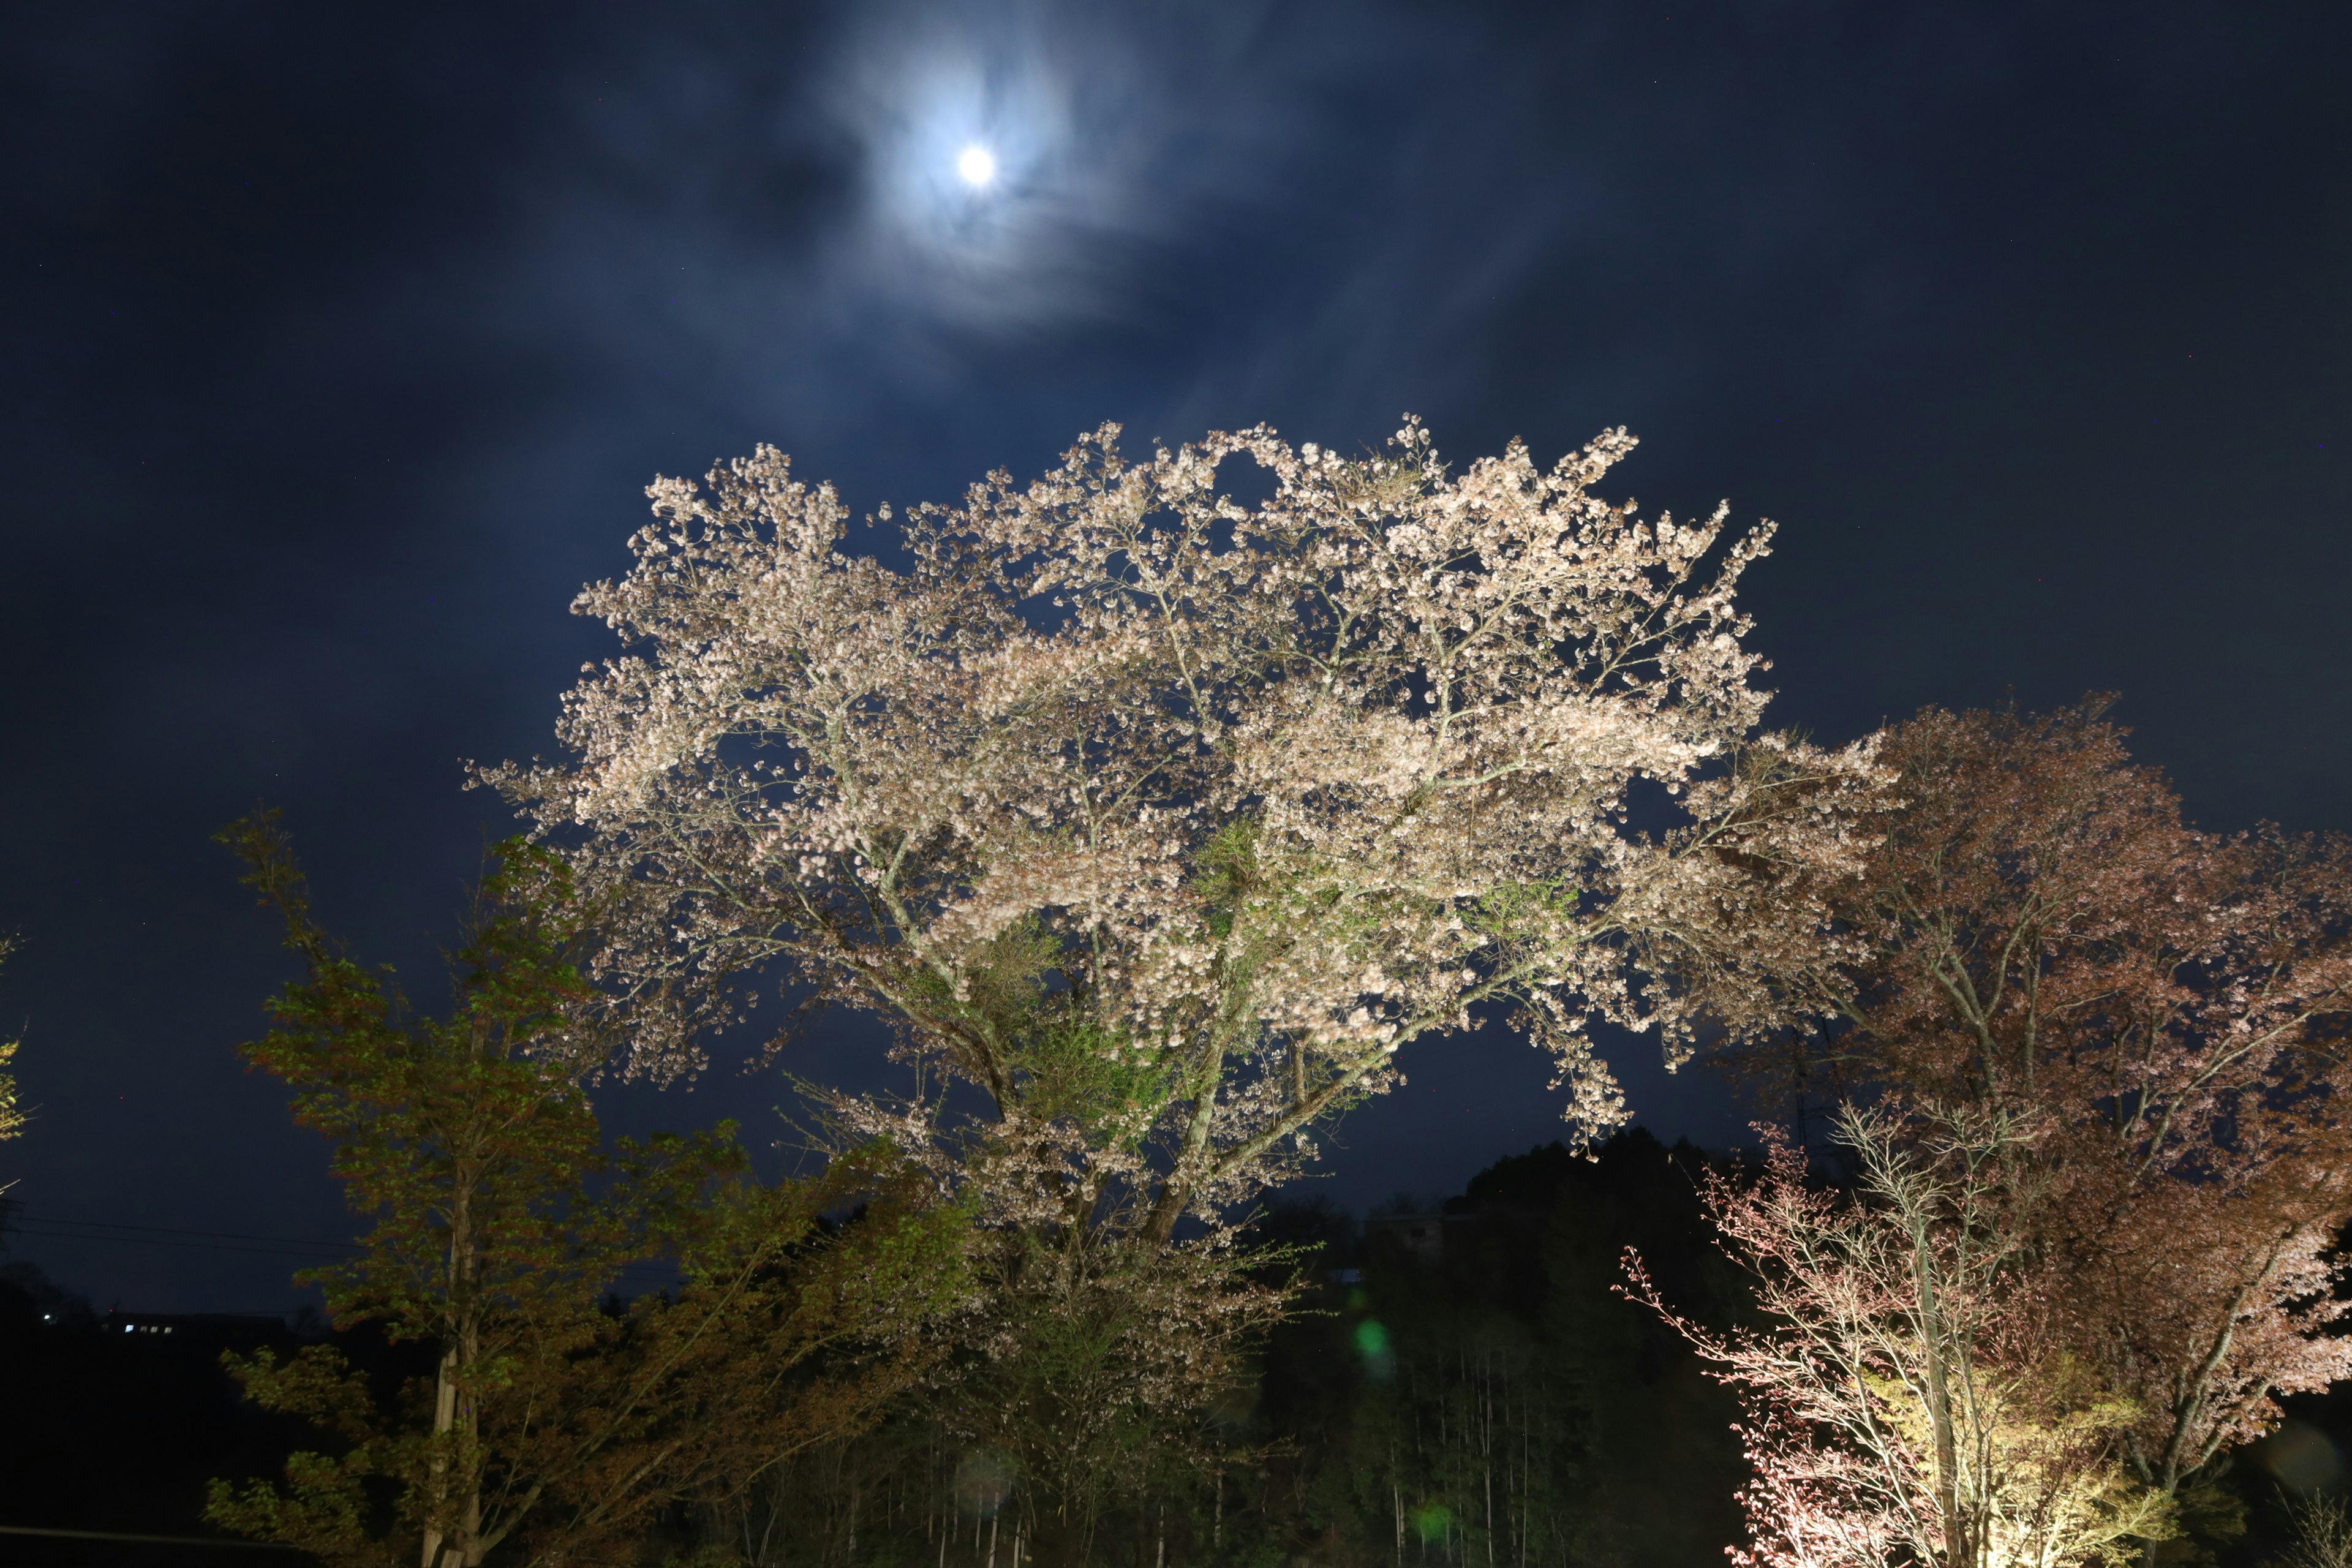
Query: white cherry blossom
{"x": 1166, "y": 820}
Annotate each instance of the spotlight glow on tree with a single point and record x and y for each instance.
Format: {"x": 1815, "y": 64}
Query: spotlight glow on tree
{"x": 1165, "y": 821}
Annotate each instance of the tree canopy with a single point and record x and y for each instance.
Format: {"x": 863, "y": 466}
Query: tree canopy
{"x": 1165, "y": 819}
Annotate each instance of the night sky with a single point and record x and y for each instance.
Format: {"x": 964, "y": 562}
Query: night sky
{"x": 338, "y": 351}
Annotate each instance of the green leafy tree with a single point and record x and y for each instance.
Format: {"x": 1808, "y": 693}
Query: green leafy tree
{"x": 552, "y": 1425}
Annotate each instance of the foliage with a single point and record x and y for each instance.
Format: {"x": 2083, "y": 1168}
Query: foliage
{"x": 1502, "y": 1404}
{"x": 499, "y": 1221}
{"x": 1465, "y": 1429}
{"x": 2049, "y": 942}
{"x": 1902, "y": 1396}
{"x": 1165, "y": 821}
{"x": 12, "y": 1118}
{"x": 1506, "y": 1373}
{"x": 1071, "y": 1384}
{"x": 1102, "y": 1375}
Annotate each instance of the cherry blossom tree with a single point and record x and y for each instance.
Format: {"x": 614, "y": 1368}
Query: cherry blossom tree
{"x": 1165, "y": 821}
{"x": 1159, "y": 823}
{"x": 1903, "y": 1397}
{"x": 2051, "y": 941}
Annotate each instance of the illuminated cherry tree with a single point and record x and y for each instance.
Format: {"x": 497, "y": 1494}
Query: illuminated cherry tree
{"x": 2051, "y": 943}
{"x": 1903, "y": 1397}
{"x": 1166, "y": 820}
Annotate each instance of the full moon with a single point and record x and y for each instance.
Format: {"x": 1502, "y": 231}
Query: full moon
{"x": 977, "y": 166}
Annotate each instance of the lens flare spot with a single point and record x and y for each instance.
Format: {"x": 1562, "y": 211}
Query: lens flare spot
{"x": 1373, "y": 1345}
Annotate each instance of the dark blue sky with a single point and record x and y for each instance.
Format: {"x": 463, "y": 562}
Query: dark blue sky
{"x": 337, "y": 352}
